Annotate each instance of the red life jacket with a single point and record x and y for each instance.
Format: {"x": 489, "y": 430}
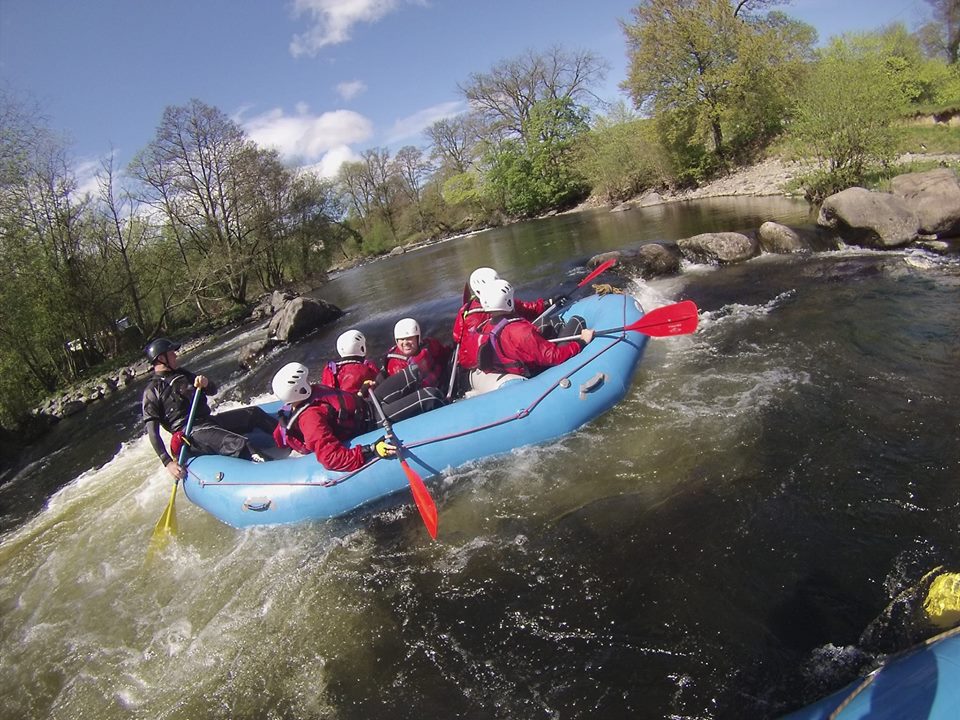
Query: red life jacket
{"x": 466, "y": 333}
{"x": 490, "y": 355}
{"x": 349, "y": 374}
{"x": 431, "y": 358}
{"x": 347, "y": 412}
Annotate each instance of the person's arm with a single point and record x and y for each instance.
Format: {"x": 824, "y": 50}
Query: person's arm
{"x": 526, "y": 344}
{"x": 172, "y": 466}
{"x": 330, "y": 452}
{"x": 530, "y": 310}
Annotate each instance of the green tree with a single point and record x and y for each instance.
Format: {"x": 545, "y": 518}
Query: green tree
{"x": 621, "y": 156}
{"x": 453, "y": 142}
{"x": 506, "y": 95}
{"x": 844, "y": 114}
{"x": 717, "y": 68}
{"x": 538, "y": 172}
{"x": 203, "y": 174}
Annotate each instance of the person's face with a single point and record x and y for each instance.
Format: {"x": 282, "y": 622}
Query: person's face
{"x": 409, "y": 345}
{"x": 169, "y": 358}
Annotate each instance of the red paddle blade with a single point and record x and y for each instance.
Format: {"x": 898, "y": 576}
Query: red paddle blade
{"x": 421, "y": 496}
{"x": 678, "y": 319}
{"x": 599, "y": 270}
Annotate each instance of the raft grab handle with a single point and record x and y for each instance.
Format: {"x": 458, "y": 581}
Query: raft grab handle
{"x": 257, "y": 504}
{"x": 592, "y": 384}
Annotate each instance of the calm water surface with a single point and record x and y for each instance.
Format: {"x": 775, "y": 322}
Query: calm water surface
{"x": 711, "y": 548}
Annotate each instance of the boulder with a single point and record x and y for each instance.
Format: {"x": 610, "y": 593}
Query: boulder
{"x": 271, "y": 303}
{"x": 719, "y": 248}
{"x": 300, "y": 317}
{"x": 776, "y": 238}
{"x": 653, "y": 260}
{"x": 935, "y": 198}
{"x": 871, "y": 219}
{"x": 68, "y": 408}
{"x": 651, "y": 197}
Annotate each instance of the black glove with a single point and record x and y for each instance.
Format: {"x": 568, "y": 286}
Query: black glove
{"x": 381, "y": 448}
{"x": 559, "y": 301}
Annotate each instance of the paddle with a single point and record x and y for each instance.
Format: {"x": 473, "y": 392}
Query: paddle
{"x": 599, "y": 270}
{"x": 453, "y": 371}
{"x": 678, "y": 319}
{"x": 425, "y": 504}
{"x": 167, "y": 524}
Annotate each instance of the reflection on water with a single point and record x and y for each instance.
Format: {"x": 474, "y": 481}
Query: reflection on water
{"x": 763, "y": 490}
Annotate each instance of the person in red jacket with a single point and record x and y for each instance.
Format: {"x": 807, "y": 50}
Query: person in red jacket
{"x": 320, "y": 419}
{"x": 428, "y": 354}
{"x": 471, "y": 315}
{"x": 511, "y": 348}
{"x": 354, "y": 372}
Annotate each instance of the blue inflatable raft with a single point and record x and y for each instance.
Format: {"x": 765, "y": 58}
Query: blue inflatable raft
{"x": 920, "y": 684}
{"x": 552, "y": 404}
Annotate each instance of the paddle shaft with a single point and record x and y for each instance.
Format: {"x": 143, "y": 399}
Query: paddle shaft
{"x": 599, "y": 270}
{"x": 421, "y": 496}
{"x": 182, "y": 455}
{"x": 453, "y": 372}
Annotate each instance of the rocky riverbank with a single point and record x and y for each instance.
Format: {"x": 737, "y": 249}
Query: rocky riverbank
{"x": 922, "y": 209}
{"x": 772, "y": 176}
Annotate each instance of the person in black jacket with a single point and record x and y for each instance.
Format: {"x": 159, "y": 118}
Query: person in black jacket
{"x": 166, "y": 403}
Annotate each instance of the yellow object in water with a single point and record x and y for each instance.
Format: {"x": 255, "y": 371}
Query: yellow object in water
{"x": 942, "y": 605}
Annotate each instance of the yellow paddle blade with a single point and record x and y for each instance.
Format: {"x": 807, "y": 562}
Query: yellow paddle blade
{"x": 166, "y": 526}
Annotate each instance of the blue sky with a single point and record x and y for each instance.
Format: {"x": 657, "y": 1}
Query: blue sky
{"x": 320, "y": 80}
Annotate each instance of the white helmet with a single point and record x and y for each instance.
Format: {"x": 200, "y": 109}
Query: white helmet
{"x": 290, "y": 384}
{"x": 408, "y": 327}
{"x": 480, "y": 277}
{"x": 352, "y": 343}
{"x": 496, "y": 296}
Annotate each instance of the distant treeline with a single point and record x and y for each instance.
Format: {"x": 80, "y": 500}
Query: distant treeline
{"x": 203, "y": 220}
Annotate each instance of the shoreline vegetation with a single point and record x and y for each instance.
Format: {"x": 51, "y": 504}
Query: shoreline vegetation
{"x": 768, "y": 178}
{"x": 202, "y": 220}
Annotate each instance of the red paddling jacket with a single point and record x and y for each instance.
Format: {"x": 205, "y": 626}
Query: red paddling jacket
{"x": 322, "y": 425}
{"x": 469, "y": 319}
{"x": 514, "y": 345}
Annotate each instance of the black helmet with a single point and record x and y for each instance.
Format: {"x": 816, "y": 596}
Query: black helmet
{"x": 158, "y": 347}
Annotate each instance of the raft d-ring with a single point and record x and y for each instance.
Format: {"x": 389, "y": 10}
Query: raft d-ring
{"x": 592, "y": 384}
{"x": 257, "y": 504}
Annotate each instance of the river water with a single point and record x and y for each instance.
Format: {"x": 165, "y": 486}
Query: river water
{"x": 712, "y": 547}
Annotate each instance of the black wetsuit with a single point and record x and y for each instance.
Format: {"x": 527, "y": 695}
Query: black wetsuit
{"x": 166, "y": 403}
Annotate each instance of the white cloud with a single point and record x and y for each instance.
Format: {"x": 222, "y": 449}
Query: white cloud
{"x": 306, "y": 138}
{"x": 331, "y": 21}
{"x": 411, "y": 126}
{"x": 86, "y": 172}
{"x": 349, "y": 90}
{"x": 331, "y": 162}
